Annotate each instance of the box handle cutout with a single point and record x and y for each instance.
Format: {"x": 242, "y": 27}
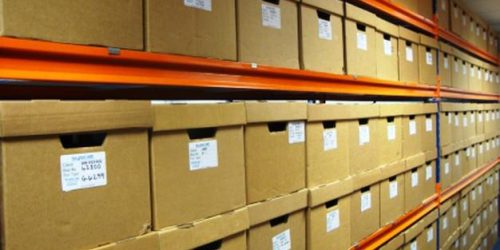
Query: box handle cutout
{"x": 332, "y": 203}
{"x": 279, "y": 220}
{"x": 408, "y": 44}
{"x": 365, "y": 189}
{"x": 361, "y": 27}
{"x": 414, "y": 170}
{"x": 428, "y": 115}
{"x": 387, "y": 37}
{"x": 412, "y": 117}
{"x": 446, "y": 113}
{"x": 211, "y": 246}
{"x": 277, "y": 126}
{"x": 392, "y": 179}
{"x": 329, "y": 124}
{"x": 323, "y": 15}
{"x": 201, "y": 133}
{"x": 390, "y": 119}
{"x": 277, "y": 2}
{"x": 445, "y": 55}
{"x": 428, "y": 163}
{"x": 82, "y": 140}
{"x": 363, "y": 122}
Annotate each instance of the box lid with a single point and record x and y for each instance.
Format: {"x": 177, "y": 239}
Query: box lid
{"x": 387, "y": 110}
{"x": 387, "y": 27}
{"x": 322, "y": 194}
{"x": 395, "y": 243}
{"x": 148, "y": 241}
{"x": 26, "y": 118}
{"x": 412, "y": 232}
{"x": 186, "y": 116}
{"x": 428, "y": 41}
{"x": 360, "y": 15}
{"x": 205, "y": 231}
{"x": 367, "y": 178}
{"x": 261, "y": 112}
{"x": 266, "y": 210}
{"x": 415, "y": 161}
{"x": 332, "y": 6}
{"x": 408, "y": 35}
{"x": 445, "y": 47}
{"x": 325, "y": 112}
{"x": 393, "y": 169}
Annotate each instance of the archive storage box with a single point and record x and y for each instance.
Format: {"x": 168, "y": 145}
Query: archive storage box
{"x": 327, "y": 143}
{"x": 197, "y": 152}
{"x": 391, "y": 130}
{"x": 365, "y": 212}
{"x": 449, "y": 219}
{"x": 195, "y": 28}
{"x": 443, "y": 12}
{"x": 427, "y": 60}
{"x": 445, "y": 63}
{"x": 321, "y": 34}
{"x": 446, "y": 169}
{"x": 387, "y": 50}
{"x": 464, "y": 205}
{"x": 456, "y": 17}
{"x": 429, "y": 178}
{"x": 67, "y": 183}
{"x": 274, "y": 149}
{"x": 408, "y": 56}
{"x": 77, "y": 22}
{"x": 425, "y": 8}
{"x": 268, "y": 32}
{"x": 148, "y": 241}
{"x": 360, "y": 42}
{"x": 396, "y": 243}
{"x": 414, "y": 182}
{"x": 428, "y": 129}
{"x": 413, "y": 127}
{"x": 446, "y": 126}
{"x": 225, "y": 231}
{"x": 459, "y": 74}
{"x": 392, "y": 192}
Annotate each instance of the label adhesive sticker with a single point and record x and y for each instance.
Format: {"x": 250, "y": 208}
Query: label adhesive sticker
{"x": 472, "y": 72}
{"x": 271, "y": 16}
{"x": 428, "y": 172}
{"x": 465, "y": 121}
{"x": 409, "y": 54}
{"x": 296, "y": 132}
{"x": 393, "y": 189}
{"x": 387, "y": 47}
{"x": 449, "y": 118}
{"x": 361, "y": 40}
{"x": 457, "y": 160}
{"x": 472, "y": 118}
{"x": 456, "y": 67}
{"x": 332, "y": 220}
{"x": 471, "y": 231}
{"x": 464, "y": 69}
{"x": 446, "y": 168}
{"x": 282, "y": 241}
{"x": 391, "y": 131}
{"x": 430, "y": 234}
{"x": 457, "y": 121}
{"x": 446, "y": 63}
{"x": 203, "y": 154}
{"x": 366, "y": 201}
{"x": 428, "y": 124}
{"x": 464, "y": 205}
{"x": 364, "y": 134}
{"x": 199, "y": 4}
{"x": 324, "y": 29}
{"x": 480, "y": 117}
{"x": 428, "y": 58}
{"x": 82, "y": 171}
{"x": 414, "y": 179}
{"x": 467, "y": 152}
{"x": 479, "y": 74}
{"x": 445, "y": 222}
{"x": 454, "y": 212}
{"x": 329, "y": 139}
{"x": 413, "y": 127}
{"x": 473, "y": 194}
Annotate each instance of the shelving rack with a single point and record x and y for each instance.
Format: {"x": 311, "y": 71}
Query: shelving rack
{"x": 45, "y": 69}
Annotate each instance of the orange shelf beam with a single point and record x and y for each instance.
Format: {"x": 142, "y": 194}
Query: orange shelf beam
{"x": 462, "y": 94}
{"x": 386, "y": 233}
{"x": 463, "y": 44}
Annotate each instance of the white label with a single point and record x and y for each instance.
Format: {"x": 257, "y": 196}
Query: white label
{"x": 203, "y": 155}
{"x": 480, "y": 190}
{"x": 446, "y": 168}
{"x": 362, "y": 42}
{"x": 492, "y": 115}
{"x": 413, "y": 127}
{"x": 271, "y": 16}
{"x": 472, "y": 27}
{"x": 446, "y": 63}
{"x": 480, "y": 117}
{"x": 496, "y": 177}
{"x": 456, "y": 67}
{"x": 430, "y": 234}
{"x": 445, "y": 222}
{"x": 199, "y": 4}
{"x": 82, "y": 171}
{"x": 409, "y": 54}
{"x": 414, "y": 179}
{"x": 464, "y": 69}
{"x": 454, "y": 212}
{"x": 449, "y": 118}
{"x": 391, "y": 131}
{"x": 324, "y": 29}
{"x": 467, "y": 152}
{"x": 457, "y": 121}
{"x": 498, "y": 79}
{"x": 473, "y": 152}
{"x": 387, "y": 47}
{"x": 472, "y": 118}
{"x": 296, "y": 132}
{"x": 479, "y": 75}
{"x": 485, "y": 215}
{"x": 464, "y": 241}
{"x": 364, "y": 134}
{"x": 473, "y": 194}
{"x": 486, "y": 76}
{"x": 393, "y": 189}
{"x": 455, "y": 12}
{"x": 478, "y": 31}
{"x": 366, "y": 201}
{"x": 471, "y": 230}
{"x": 428, "y": 172}
{"x": 485, "y": 243}
{"x": 457, "y": 160}
{"x": 413, "y": 245}
{"x": 481, "y": 149}
{"x": 332, "y": 220}
{"x": 487, "y": 116}
{"x": 464, "y": 205}
{"x": 428, "y": 124}
{"x": 329, "y": 139}
{"x": 472, "y": 72}
{"x": 464, "y": 20}
{"x": 487, "y": 146}
{"x": 443, "y": 5}
{"x": 428, "y": 58}
{"x": 282, "y": 241}
{"x": 464, "y": 120}
{"x": 491, "y": 207}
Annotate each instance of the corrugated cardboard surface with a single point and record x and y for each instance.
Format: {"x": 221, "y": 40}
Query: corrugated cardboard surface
{"x": 322, "y": 194}
{"x": 366, "y": 222}
{"x": 428, "y": 132}
{"x": 370, "y": 159}
{"x": 25, "y": 118}
{"x": 408, "y": 70}
{"x": 387, "y": 64}
{"x": 269, "y": 209}
{"x": 329, "y": 112}
{"x": 264, "y": 45}
{"x": 36, "y": 211}
{"x": 205, "y": 231}
{"x": 260, "y": 112}
{"x": 173, "y": 27}
{"x": 110, "y": 23}
{"x": 445, "y": 177}
{"x": 335, "y": 6}
{"x": 391, "y": 207}
{"x": 427, "y": 72}
{"x": 414, "y": 195}
{"x": 360, "y": 15}
{"x": 390, "y": 149}
{"x": 261, "y": 236}
{"x": 412, "y": 143}
{"x": 148, "y": 241}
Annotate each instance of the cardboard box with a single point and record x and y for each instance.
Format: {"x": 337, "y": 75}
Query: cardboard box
{"x": 392, "y": 198}
{"x": 327, "y": 144}
{"x": 408, "y": 56}
{"x": 148, "y": 241}
{"x": 268, "y": 32}
{"x": 193, "y": 28}
{"x": 430, "y": 236}
{"x": 474, "y": 201}
{"x": 225, "y": 231}
{"x": 321, "y": 33}
{"x": 456, "y": 17}
{"x": 427, "y": 53}
{"x": 443, "y": 12}
{"x": 446, "y": 171}
{"x": 464, "y": 206}
{"x": 449, "y": 219}
{"x": 391, "y": 127}
{"x": 274, "y": 146}
{"x": 457, "y": 166}
{"x": 387, "y": 50}
{"x": 414, "y": 182}
{"x": 460, "y": 73}
{"x": 197, "y": 151}
{"x": 88, "y": 176}
{"x": 428, "y": 129}
{"x": 430, "y": 179}
{"x": 445, "y": 62}
{"x": 360, "y": 42}
{"x": 446, "y": 127}
{"x": 412, "y": 129}
{"x": 83, "y": 22}
{"x": 365, "y": 212}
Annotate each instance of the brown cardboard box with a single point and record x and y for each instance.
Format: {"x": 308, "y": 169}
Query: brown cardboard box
{"x": 430, "y": 236}
{"x": 268, "y": 32}
{"x": 197, "y": 151}
{"x": 274, "y": 147}
{"x": 391, "y": 140}
{"x": 427, "y": 53}
{"x": 465, "y": 24}
{"x": 387, "y": 50}
{"x": 408, "y": 56}
{"x": 79, "y": 179}
{"x": 392, "y": 196}
{"x": 445, "y": 63}
{"x": 443, "y": 12}
{"x": 321, "y": 38}
{"x": 474, "y": 201}
{"x": 449, "y": 218}
{"x": 464, "y": 206}
{"x": 148, "y": 241}
{"x": 455, "y": 17}
{"x": 430, "y": 179}
{"x": 112, "y": 23}
{"x": 412, "y": 138}
{"x": 456, "y": 163}
{"x": 460, "y": 73}
{"x": 327, "y": 144}
{"x": 360, "y": 42}
{"x": 365, "y": 212}
{"x": 195, "y": 28}
{"x": 414, "y": 236}
{"x": 428, "y": 129}
{"x": 226, "y": 231}
{"x": 446, "y": 171}
{"x": 475, "y": 72}
{"x": 414, "y": 182}
{"x": 446, "y": 127}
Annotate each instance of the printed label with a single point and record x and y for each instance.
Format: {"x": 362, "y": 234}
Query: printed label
{"x": 481, "y": 149}
{"x": 428, "y": 124}
{"x": 271, "y": 16}
{"x": 413, "y": 127}
{"x": 446, "y": 168}
{"x": 446, "y": 63}
{"x": 457, "y": 121}
{"x": 203, "y": 154}
{"x": 471, "y": 229}
{"x": 329, "y": 139}
{"x": 467, "y": 152}
{"x": 199, "y": 4}
{"x": 362, "y": 41}
{"x": 486, "y": 76}
{"x": 472, "y": 118}
{"x": 332, "y": 220}
{"x": 296, "y": 132}
{"x": 464, "y": 205}
{"x": 487, "y": 116}
{"x": 445, "y": 222}
{"x": 457, "y": 160}
{"x": 472, "y": 72}
{"x": 82, "y": 171}
{"x": 366, "y": 201}
{"x": 456, "y": 67}
{"x": 485, "y": 215}
{"x": 454, "y": 212}
{"x": 491, "y": 207}
{"x": 414, "y": 179}
{"x": 464, "y": 120}
{"x": 473, "y": 194}
{"x": 391, "y": 131}
{"x": 387, "y": 47}
{"x": 478, "y": 31}
{"x": 428, "y": 58}
{"x": 364, "y": 134}
{"x": 428, "y": 172}
{"x": 409, "y": 54}
{"x": 413, "y": 245}
{"x": 449, "y": 118}
{"x": 479, "y": 75}
{"x": 464, "y": 69}
{"x": 480, "y": 190}
{"x": 430, "y": 234}
{"x": 324, "y": 29}
{"x": 487, "y": 146}
{"x": 480, "y": 117}
{"x": 393, "y": 189}
{"x": 473, "y": 152}
{"x": 282, "y": 241}
{"x": 464, "y": 241}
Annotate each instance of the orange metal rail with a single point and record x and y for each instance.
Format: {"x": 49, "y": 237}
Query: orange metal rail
{"x": 385, "y": 234}
{"x": 463, "y": 44}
